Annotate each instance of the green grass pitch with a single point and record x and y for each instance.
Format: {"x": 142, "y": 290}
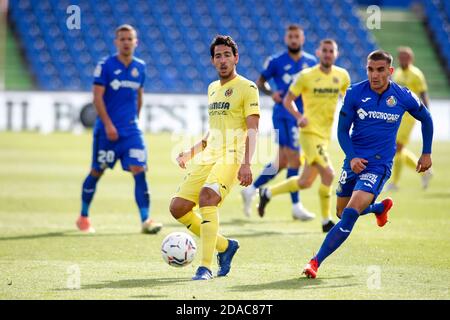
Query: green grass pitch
{"x": 41, "y": 253}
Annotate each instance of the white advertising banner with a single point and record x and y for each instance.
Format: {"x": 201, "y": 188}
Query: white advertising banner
{"x": 46, "y": 112}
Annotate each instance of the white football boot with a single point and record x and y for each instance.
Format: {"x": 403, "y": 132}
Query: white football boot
{"x": 299, "y": 212}
{"x": 247, "y": 197}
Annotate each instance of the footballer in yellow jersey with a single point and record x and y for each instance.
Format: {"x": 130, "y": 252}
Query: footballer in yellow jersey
{"x": 224, "y": 157}
{"x": 409, "y": 76}
{"x": 320, "y": 88}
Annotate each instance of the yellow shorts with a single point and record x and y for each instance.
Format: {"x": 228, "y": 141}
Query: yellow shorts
{"x": 406, "y": 127}
{"x": 225, "y": 175}
{"x": 315, "y": 150}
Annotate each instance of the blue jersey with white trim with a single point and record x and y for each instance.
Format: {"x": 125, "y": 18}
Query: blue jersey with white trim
{"x": 283, "y": 70}
{"x": 376, "y": 119}
{"x": 121, "y": 93}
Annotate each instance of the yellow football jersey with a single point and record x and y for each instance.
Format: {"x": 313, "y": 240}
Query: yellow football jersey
{"x": 320, "y": 93}
{"x": 412, "y": 78}
{"x": 228, "y": 107}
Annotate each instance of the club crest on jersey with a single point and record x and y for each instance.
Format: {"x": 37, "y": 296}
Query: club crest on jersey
{"x": 391, "y": 101}
{"x": 229, "y": 92}
{"x": 335, "y": 80}
{"x": 135, "y": 72}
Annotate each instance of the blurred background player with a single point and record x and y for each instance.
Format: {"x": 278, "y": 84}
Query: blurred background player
{"x": 118, "y": 90}
{"x": 375, "y": 108}
{"x": 319, "y": 87}
{"x": 227, "y": 150}
{"x": 408, "y": 75}
{"x": 283, "y": 68}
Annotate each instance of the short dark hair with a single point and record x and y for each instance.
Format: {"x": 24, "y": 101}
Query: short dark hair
{"x": 125, "y": 27}
{"x": 378, "y": 55}
{"x": 293, "y": 26}
{"x": 226, "y": 41}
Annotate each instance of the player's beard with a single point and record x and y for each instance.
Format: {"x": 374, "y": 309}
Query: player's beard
{"x": 326, "y": 65}
{"x": 226, "y": 76}
{"x": 295, "y": 50}
{"x": 127, "y": 53}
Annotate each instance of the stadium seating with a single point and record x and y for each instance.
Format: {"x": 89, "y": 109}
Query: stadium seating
{"x": 438, "y": 18}
{"x": 175, "y": 36}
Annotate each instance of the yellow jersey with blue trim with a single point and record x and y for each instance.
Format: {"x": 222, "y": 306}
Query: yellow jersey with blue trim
{"x": 229, "y": 105}
{"x": 320, "y": 92}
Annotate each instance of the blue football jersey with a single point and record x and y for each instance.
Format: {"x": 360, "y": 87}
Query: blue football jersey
{"x": 121, "y": 93}
{"x": 283, "y": 70}
{"x": 376, "y": 119}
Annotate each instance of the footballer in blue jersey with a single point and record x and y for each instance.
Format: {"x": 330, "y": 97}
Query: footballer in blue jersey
{"x": 118, "y": 91}
{"x": 283, "y": 69}
{"x": 374, "y": 108}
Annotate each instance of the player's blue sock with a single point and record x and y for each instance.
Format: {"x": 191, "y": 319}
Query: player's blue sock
{"x": 142, "y": 195}
{"x": 295, "y": 196}
{"x": 338, "y": 234}
{"x": 269, "y": 172}
{"x": 87, "y": 193}
{"x": 376, "y": 208}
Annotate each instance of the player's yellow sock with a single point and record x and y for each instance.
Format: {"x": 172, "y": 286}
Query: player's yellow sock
{"x": 398, "y": 167}
{"x": 325, "y": 201}
{"x": 208, "y": 230}
{"x": 409, "y": 158}
{"x": 192, "y": 221}
{"x": 287, "y": 186}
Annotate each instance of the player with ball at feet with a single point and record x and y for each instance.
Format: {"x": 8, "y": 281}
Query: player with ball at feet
{"x": 226, "y": 153}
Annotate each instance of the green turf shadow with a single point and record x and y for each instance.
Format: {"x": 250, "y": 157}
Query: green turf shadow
{"x": 65, "y": 234}
{"x": 136, "y": 283}
{"x": 293, "y": 284}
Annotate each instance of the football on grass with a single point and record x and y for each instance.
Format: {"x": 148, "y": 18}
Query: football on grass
{"x": 178, "y": 249}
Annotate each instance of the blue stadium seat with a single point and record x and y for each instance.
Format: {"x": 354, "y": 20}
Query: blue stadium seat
{"x": 174, "y": 36}
{"x": 438, "y": 16}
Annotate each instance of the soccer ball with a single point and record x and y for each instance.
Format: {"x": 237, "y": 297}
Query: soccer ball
{"x": 178, "y": 249}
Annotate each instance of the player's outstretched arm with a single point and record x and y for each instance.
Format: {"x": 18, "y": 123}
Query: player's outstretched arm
{"x": 289, "y": 104}
{"x": 245, "y": 172}
{"x": 111, "y": 131}
{"x": 425, "y": 99}
{"x": 423, "y": 115}
{"x": 185, "y": 156}
{"x": 265, "y": 88}
{"x": 344, "y": 125}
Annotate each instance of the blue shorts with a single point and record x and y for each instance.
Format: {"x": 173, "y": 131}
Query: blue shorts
{"x": 287, "y": 133}
{"x": 371, "y": 180}
{"x": 130, "y": 150}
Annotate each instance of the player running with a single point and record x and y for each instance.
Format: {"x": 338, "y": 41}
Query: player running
{"x": 283, "y": 69}
{"x": 320, "y": 87}
{"x": 118, "y": 90}
{"x": 375, "y": 108}
{"x": 226, "y": 153}
{"x": 411, "y": 77}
